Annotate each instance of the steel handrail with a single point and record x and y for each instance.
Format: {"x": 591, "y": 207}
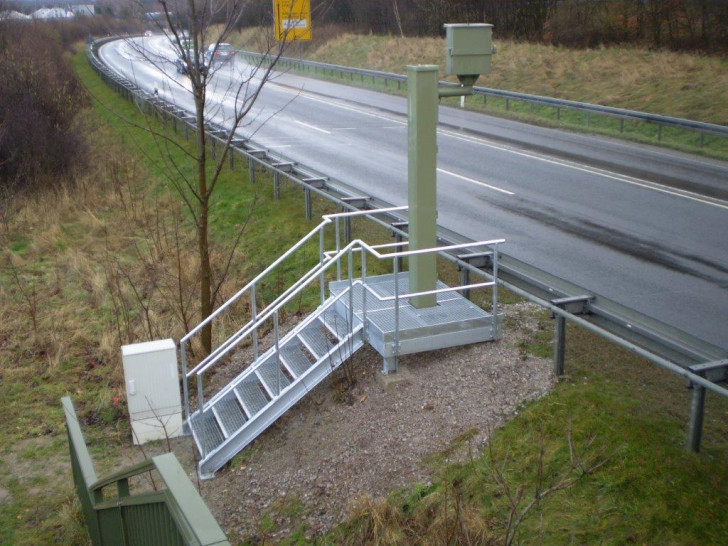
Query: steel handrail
{"x": 304, "y": 281}
{"x": 259, "y": 277}
{"x": 357, "y": 244}
{"x": 327, "y": 220}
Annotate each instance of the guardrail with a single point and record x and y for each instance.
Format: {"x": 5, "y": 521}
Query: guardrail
{"x": 400, "y": 82}
{"x": 655, "y": 341}
{"x": 170, "y": 516}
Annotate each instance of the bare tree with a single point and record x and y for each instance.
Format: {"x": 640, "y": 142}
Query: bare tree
{"x": 196, "y": 32}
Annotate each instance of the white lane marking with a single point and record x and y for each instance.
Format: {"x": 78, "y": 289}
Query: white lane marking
{"x": 312, "y": 127}
{"x": 685, "y": 194}
{"x": 646, "y": 184}
{"x": 473, "y": 181}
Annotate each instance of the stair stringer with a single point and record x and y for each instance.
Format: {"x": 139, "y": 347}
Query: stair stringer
{"x": 288, "y": 397}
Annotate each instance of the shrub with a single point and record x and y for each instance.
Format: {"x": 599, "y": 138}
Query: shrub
{"x": 39, "y": 99}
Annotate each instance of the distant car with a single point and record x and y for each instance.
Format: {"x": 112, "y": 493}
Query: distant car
{"x": 219, "y": 53}
{"x": 181, "y": 66}
{"x": 148, "y": 33}
{"x": 188, "y": 47}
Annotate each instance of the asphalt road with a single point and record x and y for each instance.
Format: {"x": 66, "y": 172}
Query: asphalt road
{"x": 644, "y": 226}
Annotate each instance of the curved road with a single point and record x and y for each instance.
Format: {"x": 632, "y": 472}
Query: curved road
{"x": 643, "y": 226}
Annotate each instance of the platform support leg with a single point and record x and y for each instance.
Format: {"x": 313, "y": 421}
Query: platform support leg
{"x": 390, "y": 365}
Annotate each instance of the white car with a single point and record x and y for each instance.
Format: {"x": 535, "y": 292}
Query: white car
{"x": 219, "y": 53}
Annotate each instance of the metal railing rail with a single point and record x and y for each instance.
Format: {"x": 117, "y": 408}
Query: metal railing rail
{"x": 326, "y": 263}
{"x": 173, "y": 515}
{"x": 652, "y": 339}
{"x": 400, "y": 81}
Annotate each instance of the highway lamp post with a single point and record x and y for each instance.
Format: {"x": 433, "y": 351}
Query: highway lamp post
{"x": 469, "y": 50}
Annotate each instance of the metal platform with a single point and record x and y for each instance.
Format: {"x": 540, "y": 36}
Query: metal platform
{"x": 453, "y": 321}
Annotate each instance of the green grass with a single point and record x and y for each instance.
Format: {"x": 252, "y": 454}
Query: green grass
{"x": 631, "y": 415}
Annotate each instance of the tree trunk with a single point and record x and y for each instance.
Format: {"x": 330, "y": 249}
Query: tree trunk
{"x": 202, "y": 227}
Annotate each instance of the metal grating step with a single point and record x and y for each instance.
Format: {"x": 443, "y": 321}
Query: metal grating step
{"x": 207, "y": 431}
{"x": 250, "y": 393}
{"x": 317, "y": 338}
{"x": 294, "y": 357}
{"x": 272, "y": 376}
{"x": 230, "y": 415}
{"x": 336, "y": 323}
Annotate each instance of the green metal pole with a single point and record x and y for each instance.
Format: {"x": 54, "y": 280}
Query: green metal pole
{"x": 422, "y": 178}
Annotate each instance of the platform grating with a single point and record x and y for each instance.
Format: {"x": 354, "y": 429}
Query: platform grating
{"x": 230, "y": 415}
{"x": 250, "y": 394}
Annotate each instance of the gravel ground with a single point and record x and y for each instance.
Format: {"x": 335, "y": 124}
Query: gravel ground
{"x": 339, "y": 444}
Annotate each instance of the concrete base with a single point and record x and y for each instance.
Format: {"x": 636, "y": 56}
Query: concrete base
{"x": 389, "y": 381}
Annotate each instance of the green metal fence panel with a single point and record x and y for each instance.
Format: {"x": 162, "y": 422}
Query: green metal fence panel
{"x": 170, "y": 517}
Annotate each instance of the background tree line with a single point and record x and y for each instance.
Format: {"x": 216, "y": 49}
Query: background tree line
{"x": 676, "y": 24}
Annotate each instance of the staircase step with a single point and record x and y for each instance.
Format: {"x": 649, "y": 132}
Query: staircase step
{"x": 272, "y": 376}
{"x": 294, "y": 357}
{"x": 207, "y": 430}
{"x": 317, "y": 338}
{"x": 230, "y": 415}
{"x": 251, "y": 395}
{"x": 336, "y": 323}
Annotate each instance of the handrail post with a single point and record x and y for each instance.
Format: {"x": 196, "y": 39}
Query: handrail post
{"x": 278, "y": 352}
{"x": 185, "y": 388}
{"x": 396, "y": 313}
{"x": 338, "y": 249}
{"x": 495, "y": 292}
{"x": 322, "y": 288}
{"x": 200, "y": 396}
{"x": 254, "y": 316}
{"x": 351, "y": 290}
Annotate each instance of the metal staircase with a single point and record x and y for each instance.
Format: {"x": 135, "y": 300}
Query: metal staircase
{"x": 271, "y": 385}
{"x": 357, "y": 310}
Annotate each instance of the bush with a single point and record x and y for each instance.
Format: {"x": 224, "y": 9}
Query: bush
{"x": 39, "y": 99}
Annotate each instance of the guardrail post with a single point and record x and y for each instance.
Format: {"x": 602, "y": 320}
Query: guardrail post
{"x": 276, "y": 185}
{"x": 251, "y": 170}
{"x": 307, "y": 201}
{"x": 347, "y": 229}
{"x": 231, "y": 159}
{"x": 464, "y": 281}
{"x": 697, "y": 410}
{"x": 559, "y": 344}
{"x": 398, "y": 239}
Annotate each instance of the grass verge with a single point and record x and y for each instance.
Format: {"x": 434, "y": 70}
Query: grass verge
{"x": 600, "y": 459}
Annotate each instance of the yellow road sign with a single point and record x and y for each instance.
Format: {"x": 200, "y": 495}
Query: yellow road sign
{"x": 292, "y": 20}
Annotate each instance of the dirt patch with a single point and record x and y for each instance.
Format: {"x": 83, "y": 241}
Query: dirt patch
{"x": 305, "y": 470}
